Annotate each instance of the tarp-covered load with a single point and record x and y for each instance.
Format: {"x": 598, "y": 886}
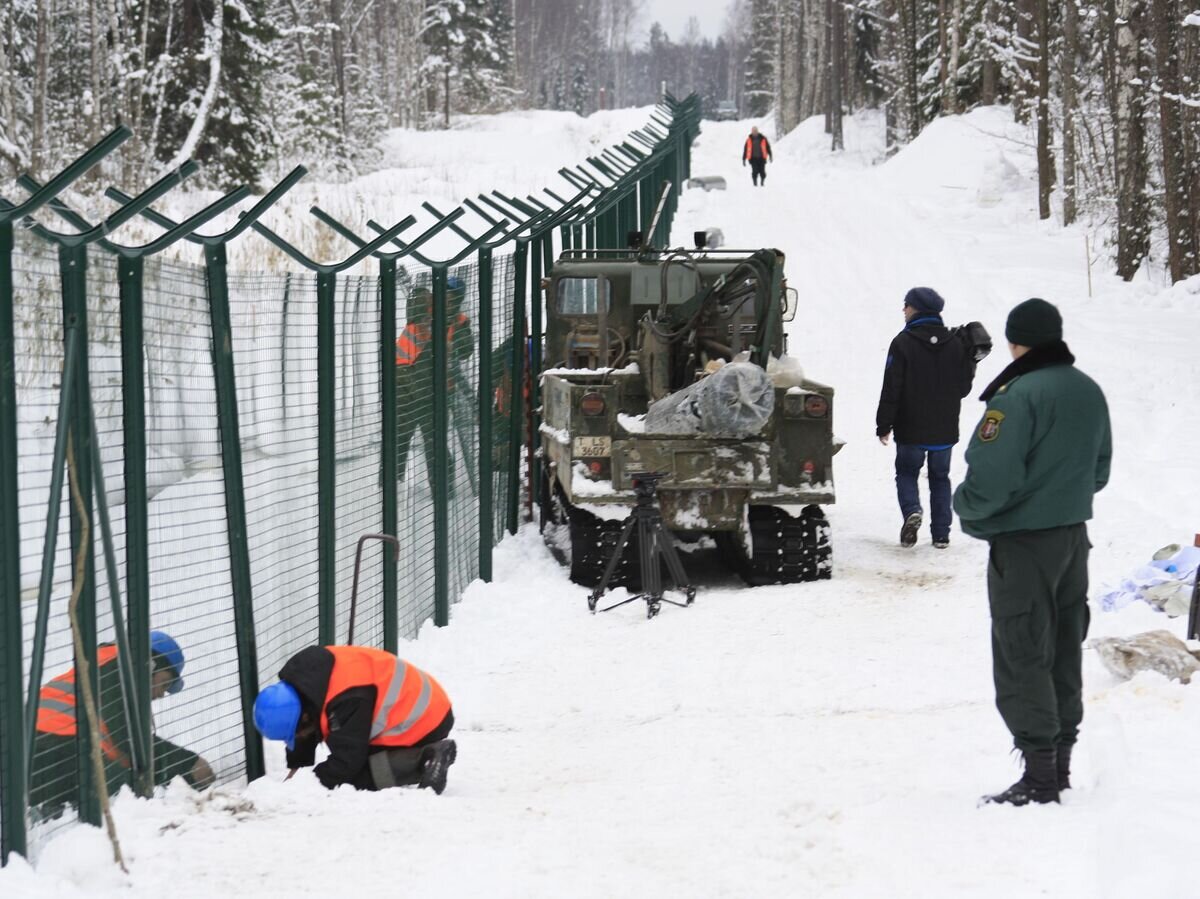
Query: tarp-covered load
{"x": 734, "y": 401}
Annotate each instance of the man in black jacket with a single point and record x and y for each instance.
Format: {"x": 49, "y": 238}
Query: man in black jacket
{"x": 927, "y": 374}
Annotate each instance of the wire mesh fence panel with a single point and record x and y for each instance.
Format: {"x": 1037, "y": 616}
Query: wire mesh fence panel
{"x": 39, "y": 335}
{"x": 504, "y": 391}
{"x": 358, "y": 479}
{"x": 462, "y": 300}
{"x": 190, "y": 581}
{"x": 274, "y": 322}
{"x": 414, "y": 450}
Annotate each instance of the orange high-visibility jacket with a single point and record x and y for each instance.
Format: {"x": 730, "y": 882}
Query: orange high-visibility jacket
{"x": 409, "y": 703}
{"x": 56, "y": 708}
{"x": 764, "y": 147}
{"x": 414, "y": 337}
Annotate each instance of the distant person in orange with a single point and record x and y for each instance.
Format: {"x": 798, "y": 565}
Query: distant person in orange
{"x": 757, "y": 152}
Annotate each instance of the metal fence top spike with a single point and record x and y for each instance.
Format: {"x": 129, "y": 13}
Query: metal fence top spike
{"x": 532, "y": 224}
{"x": 174, "y": 233}
{"x": 131, "y": 208}
{"x": 359, "y": 242}
{"x": 64, "y": 179}
{"x": 269, "y": 199}
{"x": 330, "y": 268}
{"x": 462, "y": 254}
{"x": 410, "y": 248}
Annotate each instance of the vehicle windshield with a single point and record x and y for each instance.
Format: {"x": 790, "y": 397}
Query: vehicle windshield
{"x": 580, "y": 296}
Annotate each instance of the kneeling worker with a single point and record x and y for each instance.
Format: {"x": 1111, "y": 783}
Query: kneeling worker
{"x": 385, "y": 721}
{"x": 55, "y": 783}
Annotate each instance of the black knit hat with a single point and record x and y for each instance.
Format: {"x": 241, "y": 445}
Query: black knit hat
{"x": 925, "y": 299}
{"x": 1033, "y": 323}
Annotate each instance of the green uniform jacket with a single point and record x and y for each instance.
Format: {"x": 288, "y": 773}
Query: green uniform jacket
{"x": 1038, "y": 455}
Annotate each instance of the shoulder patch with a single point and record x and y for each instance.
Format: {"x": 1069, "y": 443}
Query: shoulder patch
{"x": 989, "y": 428}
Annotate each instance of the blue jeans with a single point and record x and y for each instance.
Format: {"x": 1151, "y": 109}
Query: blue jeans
{"x": 909, "y": 459}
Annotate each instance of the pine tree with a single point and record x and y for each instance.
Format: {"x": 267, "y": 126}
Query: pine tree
{"x": 760, "y": 59}
{"x": 238, "y": 142}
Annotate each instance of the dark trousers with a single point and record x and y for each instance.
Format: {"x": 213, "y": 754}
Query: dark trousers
{"x": 400, "y": 766}
{"x": 909, "y": 459}
{"x": 758, "y": 170}
{"x": 1037, "y": 591}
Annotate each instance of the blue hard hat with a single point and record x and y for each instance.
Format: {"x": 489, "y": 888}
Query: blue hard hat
{"x": 277, "y": 712}
{"x": 455, "y": 283}
{"x": 164, "y": 645}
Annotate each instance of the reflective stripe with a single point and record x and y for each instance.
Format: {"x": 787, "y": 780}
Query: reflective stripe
{"x": 418, "y": 710}
{"x": 57, "y": 705}
{"x": 389, "y": 698}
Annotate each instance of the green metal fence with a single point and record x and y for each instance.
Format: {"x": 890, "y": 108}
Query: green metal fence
{"x": 206, "y": 452}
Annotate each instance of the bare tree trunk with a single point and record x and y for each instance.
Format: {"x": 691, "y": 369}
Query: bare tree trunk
{"x": 943, "y": 58}
{"x": 338, "y": 48}
{"x": 17, "y": 156}
{"x": 446, "y": 97}
{"x": 93, "y": 103}
{"x": 955, "y": 47}
{"x": 908, "y": 66}
{"x": 41, "y": 52}
{"x": 1181, "y": 229}
{"x": 836, "y": 55}
{"x": 1023, "y": 89}
{"x": 1070, "y": 101}
{"x": 1045, "y": 154}
{"x": 987, "y": 94}
{"x": 1133, "y": 230}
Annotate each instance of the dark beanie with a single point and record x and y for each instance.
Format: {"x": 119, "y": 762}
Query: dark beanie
{"x": 1033, "y": 323}
{"x": 925, "y": 299}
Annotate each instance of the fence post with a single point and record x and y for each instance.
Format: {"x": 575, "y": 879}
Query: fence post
{"x": 73, "y": 269}
{"x": 391, "y": 514}
{"x": 13, "y": 761}
{"x": 487, "y": 526}
{"x": 326, "y": 459}
{"x": 535, "y": 361}
{"x": 517, "y": 400}
{"x": 235, "y": 501}
{"x": 441, "y": 452}
{"x": 130, "y": 273}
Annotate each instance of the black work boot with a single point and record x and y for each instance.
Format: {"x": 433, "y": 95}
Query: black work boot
{"x": 436, "y": 761}
{"x": 912, "y": 526}
{"x": 1064, "y": 766}
{"x": 1038, "y": 784}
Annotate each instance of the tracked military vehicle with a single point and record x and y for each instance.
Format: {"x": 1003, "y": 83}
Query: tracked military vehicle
{"x": 674, "y": 362}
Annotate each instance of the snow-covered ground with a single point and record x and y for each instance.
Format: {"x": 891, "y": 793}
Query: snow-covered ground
{"x": 826, "y": 739}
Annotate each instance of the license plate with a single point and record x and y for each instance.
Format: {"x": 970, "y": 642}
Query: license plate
{"x": 592, "y": 447}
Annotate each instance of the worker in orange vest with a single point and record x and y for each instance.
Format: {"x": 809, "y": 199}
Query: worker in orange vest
{"x": 414, "y": 368}
{"x": 54, "y": 781}
{"x": 384, "y": 720}
{"x": 756, "y": 151}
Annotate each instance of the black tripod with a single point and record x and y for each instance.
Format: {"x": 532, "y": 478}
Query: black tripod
{"x": 654, "y": 540}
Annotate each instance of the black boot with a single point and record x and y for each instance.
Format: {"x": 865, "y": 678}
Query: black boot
{"x": 1038, "y": 784}
{"x": 1064, "y": 766}
{"x": 912, "y": 527}
{"x": 436, "y": 761}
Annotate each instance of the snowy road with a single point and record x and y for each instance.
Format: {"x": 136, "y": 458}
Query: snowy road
{"x": 820, "y": 740}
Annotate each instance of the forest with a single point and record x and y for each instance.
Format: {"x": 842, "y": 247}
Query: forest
{"x": 250, "y": 87}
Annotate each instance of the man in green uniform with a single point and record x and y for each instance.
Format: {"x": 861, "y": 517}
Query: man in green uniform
{"x": 1037, "y": 457}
